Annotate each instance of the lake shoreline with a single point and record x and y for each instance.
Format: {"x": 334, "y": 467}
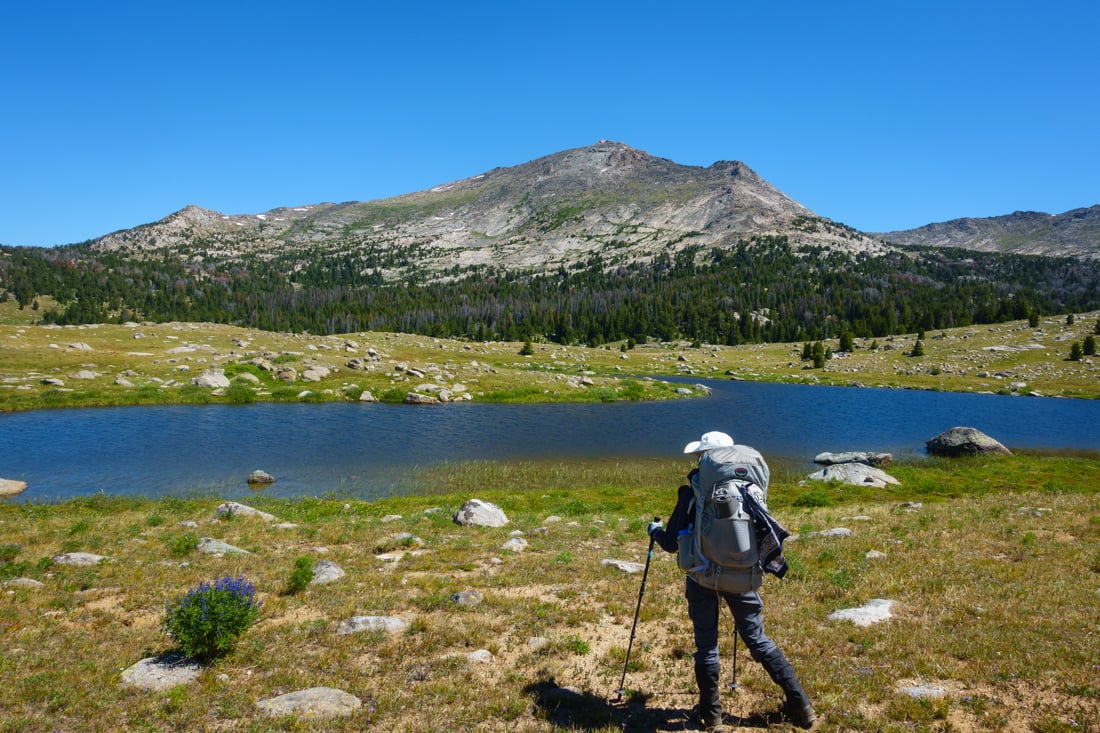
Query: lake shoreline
{"x": 43, "y": 367}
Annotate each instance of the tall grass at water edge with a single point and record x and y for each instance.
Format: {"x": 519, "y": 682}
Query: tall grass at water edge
{"x": 993, "y": 565}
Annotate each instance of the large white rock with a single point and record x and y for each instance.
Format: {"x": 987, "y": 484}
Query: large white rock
{"x": 214, "y": 378}
{"x": 856, "y": 474}
{"x": 964, "y": 441}
{"x": 476, "y": 512}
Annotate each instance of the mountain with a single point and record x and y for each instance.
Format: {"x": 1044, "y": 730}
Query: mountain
{"x": 595, "y": 245}
{"x": 607, "y": 199}
{"x": 1075, "y": 233}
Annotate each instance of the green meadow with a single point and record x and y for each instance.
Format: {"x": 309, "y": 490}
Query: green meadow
{"x": 993, "y": 566}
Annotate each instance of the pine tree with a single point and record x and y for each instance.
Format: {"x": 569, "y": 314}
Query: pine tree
{"x": 1088, "y": 348}
{"x": 1075, "y": 351}
{"x": 847, "y": 341}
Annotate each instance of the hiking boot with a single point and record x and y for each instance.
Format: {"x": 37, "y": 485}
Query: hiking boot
{"x": 708, "y": 712}
{"x": 707, "y": 718}
{"x": 802, "y": 715}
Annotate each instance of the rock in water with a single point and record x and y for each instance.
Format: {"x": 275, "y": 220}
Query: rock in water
{"x": 260, "y": 477}
{"x": 963, "y": 441}
{"x": 10, "y": 487}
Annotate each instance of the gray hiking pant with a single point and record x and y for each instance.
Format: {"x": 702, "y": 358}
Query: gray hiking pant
{"x": 747, "y": 609}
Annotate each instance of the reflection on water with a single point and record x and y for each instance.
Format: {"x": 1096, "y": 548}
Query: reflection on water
{"x": 367, "y": 450}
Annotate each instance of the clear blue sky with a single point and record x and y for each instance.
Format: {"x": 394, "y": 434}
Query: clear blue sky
{"x": 881, "y": 115}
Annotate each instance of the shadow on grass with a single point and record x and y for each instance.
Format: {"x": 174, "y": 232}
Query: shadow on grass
{"x": 567, "y": 707}
{"x": 573, "y": 709}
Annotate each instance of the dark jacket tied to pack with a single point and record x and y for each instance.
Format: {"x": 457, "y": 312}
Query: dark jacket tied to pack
{"x": 728, "y": 539}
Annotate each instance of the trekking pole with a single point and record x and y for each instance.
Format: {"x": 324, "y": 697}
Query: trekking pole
{"x": 641, "y": 592}
{"x": 734, "y": 685}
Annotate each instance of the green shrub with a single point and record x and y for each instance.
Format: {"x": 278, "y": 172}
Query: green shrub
{"x": 9, "y": 552}
{"x": 813, "y": 498}
{"x": 300, "y": 576}
{"x": 240, "y": 393}
{"x": 208, "y": 620}
{"x": 183, "y": 544}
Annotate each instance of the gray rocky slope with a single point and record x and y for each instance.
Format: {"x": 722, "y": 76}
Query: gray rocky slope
{"x": 608, "y": 199}
{"x": 1074, "y": 233}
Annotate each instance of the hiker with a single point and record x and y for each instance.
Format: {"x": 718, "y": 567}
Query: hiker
{"x": 746, "y": 605}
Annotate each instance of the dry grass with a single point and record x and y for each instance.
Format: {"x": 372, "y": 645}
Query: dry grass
{"x": 995, "y": 580}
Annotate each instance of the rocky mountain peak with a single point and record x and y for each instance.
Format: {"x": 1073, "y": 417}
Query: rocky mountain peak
{"x": 607, "y": 199}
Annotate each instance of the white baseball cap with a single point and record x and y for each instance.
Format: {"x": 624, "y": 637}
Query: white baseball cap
{"x": 713, "y": 439}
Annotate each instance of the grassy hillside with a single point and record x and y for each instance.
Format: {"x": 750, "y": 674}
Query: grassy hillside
{"x": 992, "y": 565}
{"x": 155, "y": 364}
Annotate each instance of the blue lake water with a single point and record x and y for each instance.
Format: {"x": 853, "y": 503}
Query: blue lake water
{"x": 364, "y": 450}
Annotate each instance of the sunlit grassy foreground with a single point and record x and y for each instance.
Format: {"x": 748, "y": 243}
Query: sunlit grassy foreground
{"x": 995, "y": 578}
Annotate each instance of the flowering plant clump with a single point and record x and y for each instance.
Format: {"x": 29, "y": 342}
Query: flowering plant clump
{"x": 207, "y": 621}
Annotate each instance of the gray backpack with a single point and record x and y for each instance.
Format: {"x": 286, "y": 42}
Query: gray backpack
{"x": 719, "y": 549}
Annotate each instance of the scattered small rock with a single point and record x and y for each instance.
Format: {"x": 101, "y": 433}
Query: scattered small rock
{"x": 162, "y": 673}
{"x": 315, "y": 702}
{"x": 355, "y": 624}
{"x": 872, "y": 612}
{"x": 624, "y": 565}
{"x": 211, "y": 546}
{"x": 834, "y": 533}
{"x": 24, "y": 583}
{"x": 868, "y": 458}
{"x": 78, "y": 558}
{"x": 233, "y": 509}
{"x": 516, "y": 544}
{"x": 923, "y": 692}
{"x": 467, "y": 598}
{"x": 326, "y": 571}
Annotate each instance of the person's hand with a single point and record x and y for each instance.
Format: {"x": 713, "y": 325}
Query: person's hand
{"x": 653, "y": 527}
